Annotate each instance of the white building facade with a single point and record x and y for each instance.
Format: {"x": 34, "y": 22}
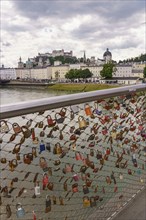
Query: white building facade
{"x": 7, "y": 73}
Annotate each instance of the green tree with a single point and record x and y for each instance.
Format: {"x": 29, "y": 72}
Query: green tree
{"x": 144, "y": 72}
{"x": 78, "y": 74}
{"x": 108, "y": 70}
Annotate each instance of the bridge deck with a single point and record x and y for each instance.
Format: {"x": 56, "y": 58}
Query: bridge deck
{"x": 136, "y": 210}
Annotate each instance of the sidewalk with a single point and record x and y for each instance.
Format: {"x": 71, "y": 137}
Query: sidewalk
{"x": 136, "y": 210}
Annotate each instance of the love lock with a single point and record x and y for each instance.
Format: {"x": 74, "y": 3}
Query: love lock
{"x": 42, "y": 146}
{"x": 13, "y": 164}
{"x": 20, "y": 212}
{"x": 37, "y": 189}
{"x": 16, "y": 128}
{"x": 4, "y": 128}
{"x": 48, "y": 204}
{"x": 82, "y": 122}
{"x": 26, "y": 132}
{"x": 59, "y": 119}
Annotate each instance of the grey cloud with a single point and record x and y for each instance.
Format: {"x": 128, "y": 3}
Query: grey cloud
{"x": 111, "y": 9}
{"x": 6, "y": 44}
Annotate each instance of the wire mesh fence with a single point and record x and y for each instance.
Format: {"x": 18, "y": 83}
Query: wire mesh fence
{"x": 77, "y": 162}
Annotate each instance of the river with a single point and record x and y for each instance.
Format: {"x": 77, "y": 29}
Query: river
{"x": 12, "y": 95}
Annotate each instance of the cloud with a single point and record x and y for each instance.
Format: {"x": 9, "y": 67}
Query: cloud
{"x": 6, "y": 44}
{"x": 36, "y": 26}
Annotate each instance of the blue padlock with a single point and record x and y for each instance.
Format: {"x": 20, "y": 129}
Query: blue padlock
{"x": 20, "y": 212}
{"x": 42, "y": 146}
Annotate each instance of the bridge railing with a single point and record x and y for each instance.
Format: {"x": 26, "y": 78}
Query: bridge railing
{"x": 79, "y": 156}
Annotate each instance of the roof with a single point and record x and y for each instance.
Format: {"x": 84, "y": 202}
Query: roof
{"x": 107, "y": 53}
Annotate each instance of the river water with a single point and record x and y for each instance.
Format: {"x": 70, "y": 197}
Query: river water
{"x": 13, "y": 95}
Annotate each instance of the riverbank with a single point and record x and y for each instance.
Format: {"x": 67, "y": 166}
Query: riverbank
{"x": 80, "y": 87}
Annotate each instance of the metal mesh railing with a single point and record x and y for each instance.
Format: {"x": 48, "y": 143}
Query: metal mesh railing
{"x": 81, "y": 161}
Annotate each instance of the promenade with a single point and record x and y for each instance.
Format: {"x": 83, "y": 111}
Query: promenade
{"x": 136, "y": 210}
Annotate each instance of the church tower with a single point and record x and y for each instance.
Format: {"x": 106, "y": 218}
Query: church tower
{"x": 20, "y": 63}
{"x": 107, "y": 56}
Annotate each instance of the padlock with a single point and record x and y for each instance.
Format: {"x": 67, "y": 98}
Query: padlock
{"x": 92, "y": 152}
{"x": 62, "y": 112}
{"x": 88, "y": 182}
{"x": 30, "y": 156}
{"x": 51, "y": 122}
{"x": 26, "y": 132}
{"x": 48, "y": 147}
{"x": 20, "y": 212}
{"x": 54, "y": 200}
{"x": 61, "y": 200}
{"x": 92, "y": 201}
{"x": 83, "y": 169}
{"x": 104, "y": 131}
{"x": 42, "y": 134}
{"x": 85, "y": 189}
{"x": 88, "y": 110}
{"x": 72, "y": 115}
{"x": 76, "y": 177}
{"x": 29, "y": 123}
{"x": 13, "y": 164}
{"x": 43, "y": 164}
{"x": 59, "y": 119}
{"x": 18, "y": 156}
{"x": 48, "y": 204}
{"x": 3, "y": 160}
{"x": 26, "y": 159}
{"x": 37, "y": 189}
{"x": 61, "y": 135}
{"x": 82, "y": 122}
{"x": 108, "y": 180}
{"x": 65, "y": 186}
{"x": 45, "y": 180}
{"x": 74, "y": 108}
{"x": 108, "y": 151}
{"x": 50, "y": 186}
{"x": 16, "y": 149}
{"x": 40, "y": 124}
{"x": 78, "y": 156}
{"x": 16, "y": 128}
{"x": 75, "y": 187}
{"x": 34, "y": 151}
{"x": 42, "y": 146}
{"x": 36, "y": 140}
{"x": 4, "y": 128}
{"x": 86, "y": 201}
{"x": 57, "y": 149}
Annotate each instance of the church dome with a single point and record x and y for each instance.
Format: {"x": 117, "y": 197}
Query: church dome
{"x": 107, "y": 53}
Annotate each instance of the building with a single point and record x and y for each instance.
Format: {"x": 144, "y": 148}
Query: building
{"x": 59, "y": 72}
{"x": 38, "y": 73}
{"x": 123, "y": 70}
{"x": 7, "y": 73}
{"x": 20, "y": 63}
{"x": 107, "y": 56}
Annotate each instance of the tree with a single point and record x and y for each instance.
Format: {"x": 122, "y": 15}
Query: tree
{"x": 144, "y": 72}
{"x": 78, "y": 74}
{"x": 108, "y": 70}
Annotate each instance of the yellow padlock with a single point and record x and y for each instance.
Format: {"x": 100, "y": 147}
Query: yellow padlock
{"x": 82, "y": 122}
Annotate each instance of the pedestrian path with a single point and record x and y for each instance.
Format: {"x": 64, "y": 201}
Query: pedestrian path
{"x": 136, "y": 210}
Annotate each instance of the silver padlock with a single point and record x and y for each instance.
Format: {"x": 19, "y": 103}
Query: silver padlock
{"x": 20, "y": 212}
{"x": 37, "y": 189}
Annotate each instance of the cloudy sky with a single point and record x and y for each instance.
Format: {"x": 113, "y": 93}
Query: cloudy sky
{"x": 29, "y": 27}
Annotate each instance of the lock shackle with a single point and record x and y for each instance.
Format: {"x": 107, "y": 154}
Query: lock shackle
{"x": 18, "y": 206}
{"x": 47, "y": 197}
